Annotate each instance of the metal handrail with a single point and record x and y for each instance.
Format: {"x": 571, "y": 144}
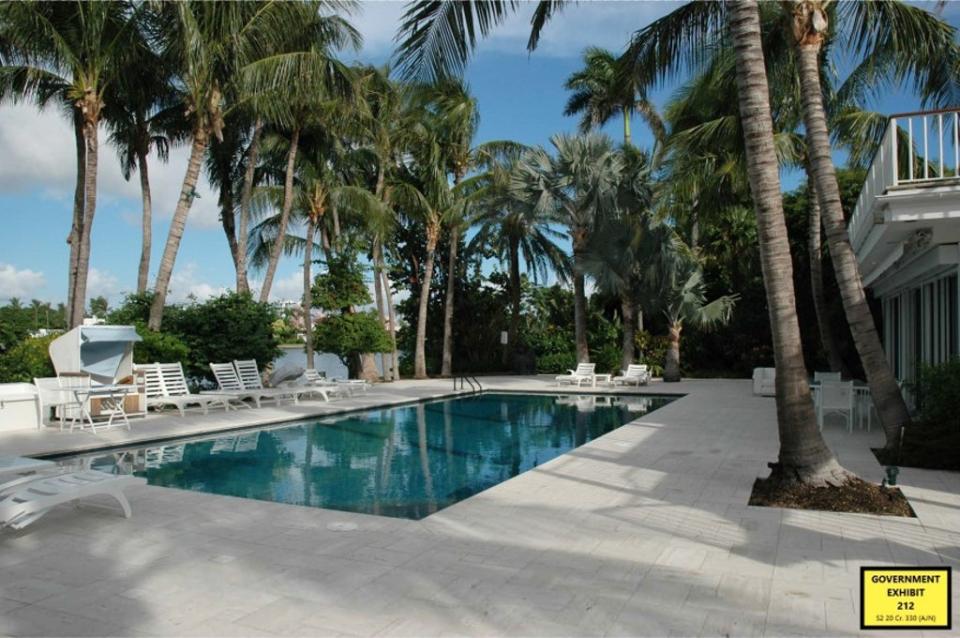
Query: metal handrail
{"x": 467, "y": 379}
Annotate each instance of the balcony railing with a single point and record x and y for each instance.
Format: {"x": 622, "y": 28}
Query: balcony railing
{"x": 920, "y": 148}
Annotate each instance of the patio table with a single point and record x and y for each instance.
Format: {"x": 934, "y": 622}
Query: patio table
{"x": 603, "y": 378}
{"x": 111, "y": 401}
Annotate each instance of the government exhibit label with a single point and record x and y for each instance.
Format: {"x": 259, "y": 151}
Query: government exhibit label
{"x": 905, "y": 597}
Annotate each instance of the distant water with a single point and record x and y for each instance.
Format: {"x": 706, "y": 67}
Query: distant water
{"x": 324, "y": 362}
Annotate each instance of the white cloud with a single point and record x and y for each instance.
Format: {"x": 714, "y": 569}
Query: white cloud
{"x": 289, "y": 288}
{"x": 102, "y": 283}
{"x": 39, "y": 153}
{"x": 186, "y": 283}
{"x": 15, "y": 282}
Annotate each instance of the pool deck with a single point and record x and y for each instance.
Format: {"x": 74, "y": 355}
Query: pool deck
{"x": 643, "y": 531}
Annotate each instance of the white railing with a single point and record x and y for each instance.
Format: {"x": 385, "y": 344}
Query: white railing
{"x": 933, "y": 155}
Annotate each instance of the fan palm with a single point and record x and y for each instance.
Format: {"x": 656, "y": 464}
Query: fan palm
{"x": 579, "y": 186}
{"x": 233, "y": 49}
{"x": 69, "y": 52}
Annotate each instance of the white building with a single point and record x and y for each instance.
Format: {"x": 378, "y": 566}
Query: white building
{"x": 905, "y": 230}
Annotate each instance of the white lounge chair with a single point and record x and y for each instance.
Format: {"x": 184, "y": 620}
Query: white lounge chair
{"x": 315, "y": 380}
{"x": 249, "y": 374}
{"x": 836, "y": 398}
{"x": 24, "y": 500}
{"x": 636, "y": 374}
{"x": 228, "y": 383}
{"x": 165, "y": 384}
{"x": 765, "y": 382}
{"x": 583, "y": 374}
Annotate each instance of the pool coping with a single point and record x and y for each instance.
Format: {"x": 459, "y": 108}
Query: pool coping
{"x": 276, "y": 423}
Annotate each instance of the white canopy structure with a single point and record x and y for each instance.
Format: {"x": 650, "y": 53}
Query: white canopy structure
{"x": 105, "y": 353}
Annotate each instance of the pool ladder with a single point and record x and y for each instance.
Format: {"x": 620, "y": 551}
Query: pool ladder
{"x": 465, "y": 380}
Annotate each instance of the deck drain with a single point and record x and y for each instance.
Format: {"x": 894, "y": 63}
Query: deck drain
{"x": 341, "y": 527}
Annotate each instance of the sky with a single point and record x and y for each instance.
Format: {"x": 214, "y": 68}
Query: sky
{"x": 520, "y": 96}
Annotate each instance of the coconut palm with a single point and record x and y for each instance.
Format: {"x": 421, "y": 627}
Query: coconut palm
{"x": 70, "y": 53}
{"x": 579, "y": 186}
{"x": 601, "y": 90}
{"x": 216, "y": 47}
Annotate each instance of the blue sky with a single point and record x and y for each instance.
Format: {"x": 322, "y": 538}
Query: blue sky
{"x": 521, "y": 97}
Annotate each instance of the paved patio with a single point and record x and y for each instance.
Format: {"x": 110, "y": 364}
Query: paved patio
{"x": 644, "y": 531}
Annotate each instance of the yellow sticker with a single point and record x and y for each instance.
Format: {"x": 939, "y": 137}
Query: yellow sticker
{"x": 905, "y": 597}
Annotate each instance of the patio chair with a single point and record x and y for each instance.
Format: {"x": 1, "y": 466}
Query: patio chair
{"x": 24, "y": 500}
{"x": 228, "y": 382}
{"x": 827, "y": 376}
{"x": 583, "y": 374}
{"x": 836, "y": 398}
{"x": 765, "y": 382}
{"x": 249, "y": 374}
{"x": 52, "y": 392}
{"x": 635, "y": 374}
{"x": 337, "y": 386}
{"x": 165, "y": 384}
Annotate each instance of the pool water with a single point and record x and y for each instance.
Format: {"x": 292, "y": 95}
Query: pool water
{"x": 407, "y": 461}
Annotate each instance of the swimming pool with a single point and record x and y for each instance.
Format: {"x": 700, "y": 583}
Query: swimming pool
{"x": 408, "y": 461}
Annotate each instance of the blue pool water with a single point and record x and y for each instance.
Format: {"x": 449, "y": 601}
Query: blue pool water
{"x": 408, "y": 461}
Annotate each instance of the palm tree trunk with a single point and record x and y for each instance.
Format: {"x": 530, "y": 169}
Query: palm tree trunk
{"x": 626, "y": 126}
{"x": 420, "y": 356}
{"x": 446, "y": 367}
{"x": 392, "y": 317}
{"x": 816, "y": 281}
{"x": 891, "y": 406}
{"x": 90, "y": 131}
{"x": 804, "y": 456}
{"x": 579, "y": 300}
{"x": 629, "y": 311}
{"x": 73, "y": 239}
{"x": 228, "y": 219}
{"x": 307, "y": 292}
{"x": 277, "y": 248}
{"x": 243, "y": 284}
{"x": 143, "y": 272}
{"x": 177, "y": 226}
{"x": 671, "y": 366}
{"x": 514, "y": 328}
{"x": 378, "y": 297}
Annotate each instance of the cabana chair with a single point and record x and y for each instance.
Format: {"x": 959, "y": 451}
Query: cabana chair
{"x": 315, "y": 380}
{"x": 249, "y": 374}
{"x": 229, "y": 384}
{"x": 165, "y": 384}
{"x": 765, "y": 382}
{"x": 636, "y": 374}
{"x": 583, "y": 374}
{"x": 24, "y": 500}
{"x": 836, "y": 398}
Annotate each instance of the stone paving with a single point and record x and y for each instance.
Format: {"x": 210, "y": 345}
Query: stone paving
{"x": 644, "y": 531}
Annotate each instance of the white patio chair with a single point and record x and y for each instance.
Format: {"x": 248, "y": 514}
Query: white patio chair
{"x": 165, "y": 385}
{"x": 228, "y": 383}
{"x": 26, "y": 499}
{"x": 314, "y": 379}
{"x": 765, "y": 382}
{"x": 58, "y": 393}
{"x": 583, "y": 374}
{"x": 636, "y": 374}
{"x": 836, "y": 398}
{"x": 249, "y": 374}
{"x": 827, "y": 376}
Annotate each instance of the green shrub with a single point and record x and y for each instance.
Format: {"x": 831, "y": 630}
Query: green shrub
{"x": 160, "y": 347}
{"x": 351, "y": 334}
{"x": 28, "y": 359}
{"x": 651, "y": 350}
{"x": 557, "y": 362}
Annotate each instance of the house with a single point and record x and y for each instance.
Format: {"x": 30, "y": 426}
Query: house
{"x": 905, "y": 230}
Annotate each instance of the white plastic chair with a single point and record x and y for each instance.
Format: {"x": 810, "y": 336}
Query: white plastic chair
{"x": 765, "y": 382}
{"x": 636, "y": 374}
{"x": 58, "y": 393}
{"x": 165, "y": 384}
{"x": 827, "y": 376}
{"x": 583, "y": 374}
{"x": 249, "y": 374}
{"x": 836, "y": 398}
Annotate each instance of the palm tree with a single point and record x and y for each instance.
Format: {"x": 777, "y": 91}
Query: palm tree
{"x": 579, "y": 186}
{"x": 143, "y": 116}
{"x": 514, "y": 229}
{"x": 71, "y": 53}
{"x": 875, "y": 27}
{"x": 602, "y": 90}
{"x": 681, "y": 296}
{"x": 232, "y": 49}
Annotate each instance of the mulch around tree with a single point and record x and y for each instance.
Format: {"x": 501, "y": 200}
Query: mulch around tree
{"x": 856, "y": 496}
